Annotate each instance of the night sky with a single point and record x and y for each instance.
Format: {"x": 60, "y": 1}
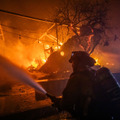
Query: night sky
{"x": 36, "y": 8}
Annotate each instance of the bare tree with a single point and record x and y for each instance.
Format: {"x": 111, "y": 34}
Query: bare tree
{"x": 87, "y": 19}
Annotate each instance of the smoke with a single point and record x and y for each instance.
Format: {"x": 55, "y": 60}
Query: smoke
{"x": 108, "y": 56}
{"x": 14, "y": 72}
{"x": 19, "y": 49}
{"x": 20, "y": 53}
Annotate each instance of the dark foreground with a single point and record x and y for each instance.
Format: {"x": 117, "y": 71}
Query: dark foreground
{"x": 20, "y": 104}
{"x": 46, "y": 113}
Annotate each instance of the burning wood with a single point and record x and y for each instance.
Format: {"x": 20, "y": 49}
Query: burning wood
{"x": 34, "y": 63}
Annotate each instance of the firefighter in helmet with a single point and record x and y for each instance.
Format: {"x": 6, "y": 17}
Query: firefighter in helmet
{"x": 78, "y": 93}
{"x": 89, "y": 94}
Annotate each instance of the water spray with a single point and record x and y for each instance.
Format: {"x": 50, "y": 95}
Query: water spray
{"x": 20, "y": 75}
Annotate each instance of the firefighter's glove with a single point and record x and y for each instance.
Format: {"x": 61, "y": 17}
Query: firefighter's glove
{"x": 56, "y": 101}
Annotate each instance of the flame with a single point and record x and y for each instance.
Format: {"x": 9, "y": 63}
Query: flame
{"x": 47, "y": 46}
{"x": 61, "y": 43}
{"x": 44, "y": 60}
{"x": 56, "y": 48}
{"x": 89, "y": 41}
{"x": 97, "y": 61}
{"x": 34, "y": 63}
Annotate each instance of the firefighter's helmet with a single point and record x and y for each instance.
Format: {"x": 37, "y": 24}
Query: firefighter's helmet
{"x": 82, "y": 57}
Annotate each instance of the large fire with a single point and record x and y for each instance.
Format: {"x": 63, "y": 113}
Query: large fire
{"x": 34, "y": 55}
{"x": 35, "y": 63}
{"x": 47, "y": 51}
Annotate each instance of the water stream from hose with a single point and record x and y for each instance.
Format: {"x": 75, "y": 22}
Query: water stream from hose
{"x": 17, "y": 73}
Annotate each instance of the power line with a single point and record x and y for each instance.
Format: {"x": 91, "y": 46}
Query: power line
{"x": 12, "y": 27}
{"x": 28, "y": 36}
{"x": 32, "y": 18}
{"x": 26, "y": 16}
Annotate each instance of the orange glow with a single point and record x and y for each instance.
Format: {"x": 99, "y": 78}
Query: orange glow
{"x": 61, "y": 43}
{"x": 47, "y": 46}
{"x": 62, "y": 53}
{"x": 44, "y": 61}
{"x": 39, "y": 42}
{"x": 56, "y": 48}
{"x": 97, "y": 61}
{"x": 89, "y": 41}
{"x": 78, "y": 32}
{"x": 110, "y": 64}
{"x": 103, "y": 61}
{"x": 107, "y": 63}
{"x": 34, "y": 63}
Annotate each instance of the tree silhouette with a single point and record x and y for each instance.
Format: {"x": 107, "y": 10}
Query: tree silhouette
{"x": 87, "y": 19}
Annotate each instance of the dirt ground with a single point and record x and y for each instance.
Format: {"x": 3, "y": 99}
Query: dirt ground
{"x": 19, "y": 103}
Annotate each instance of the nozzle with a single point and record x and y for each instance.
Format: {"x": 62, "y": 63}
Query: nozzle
{"x": 56, "y": 101}
{"x": 50, "y": 96}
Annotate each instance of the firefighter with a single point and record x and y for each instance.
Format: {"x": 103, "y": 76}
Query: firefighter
{"x": 89, "y": 94}
{"x": 107, "y": 95}
{"x": 78, "y": 93}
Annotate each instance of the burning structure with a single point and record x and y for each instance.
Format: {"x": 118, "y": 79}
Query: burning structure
{"x": 86, "y": 28}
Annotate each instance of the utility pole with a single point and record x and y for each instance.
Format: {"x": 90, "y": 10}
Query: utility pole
{"x": 44, "y": 51}
{"x": 1, "y": 40}
{"x": 57, "y": 34}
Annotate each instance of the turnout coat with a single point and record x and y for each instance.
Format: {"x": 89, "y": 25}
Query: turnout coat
{"x": 91, "y": 94}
